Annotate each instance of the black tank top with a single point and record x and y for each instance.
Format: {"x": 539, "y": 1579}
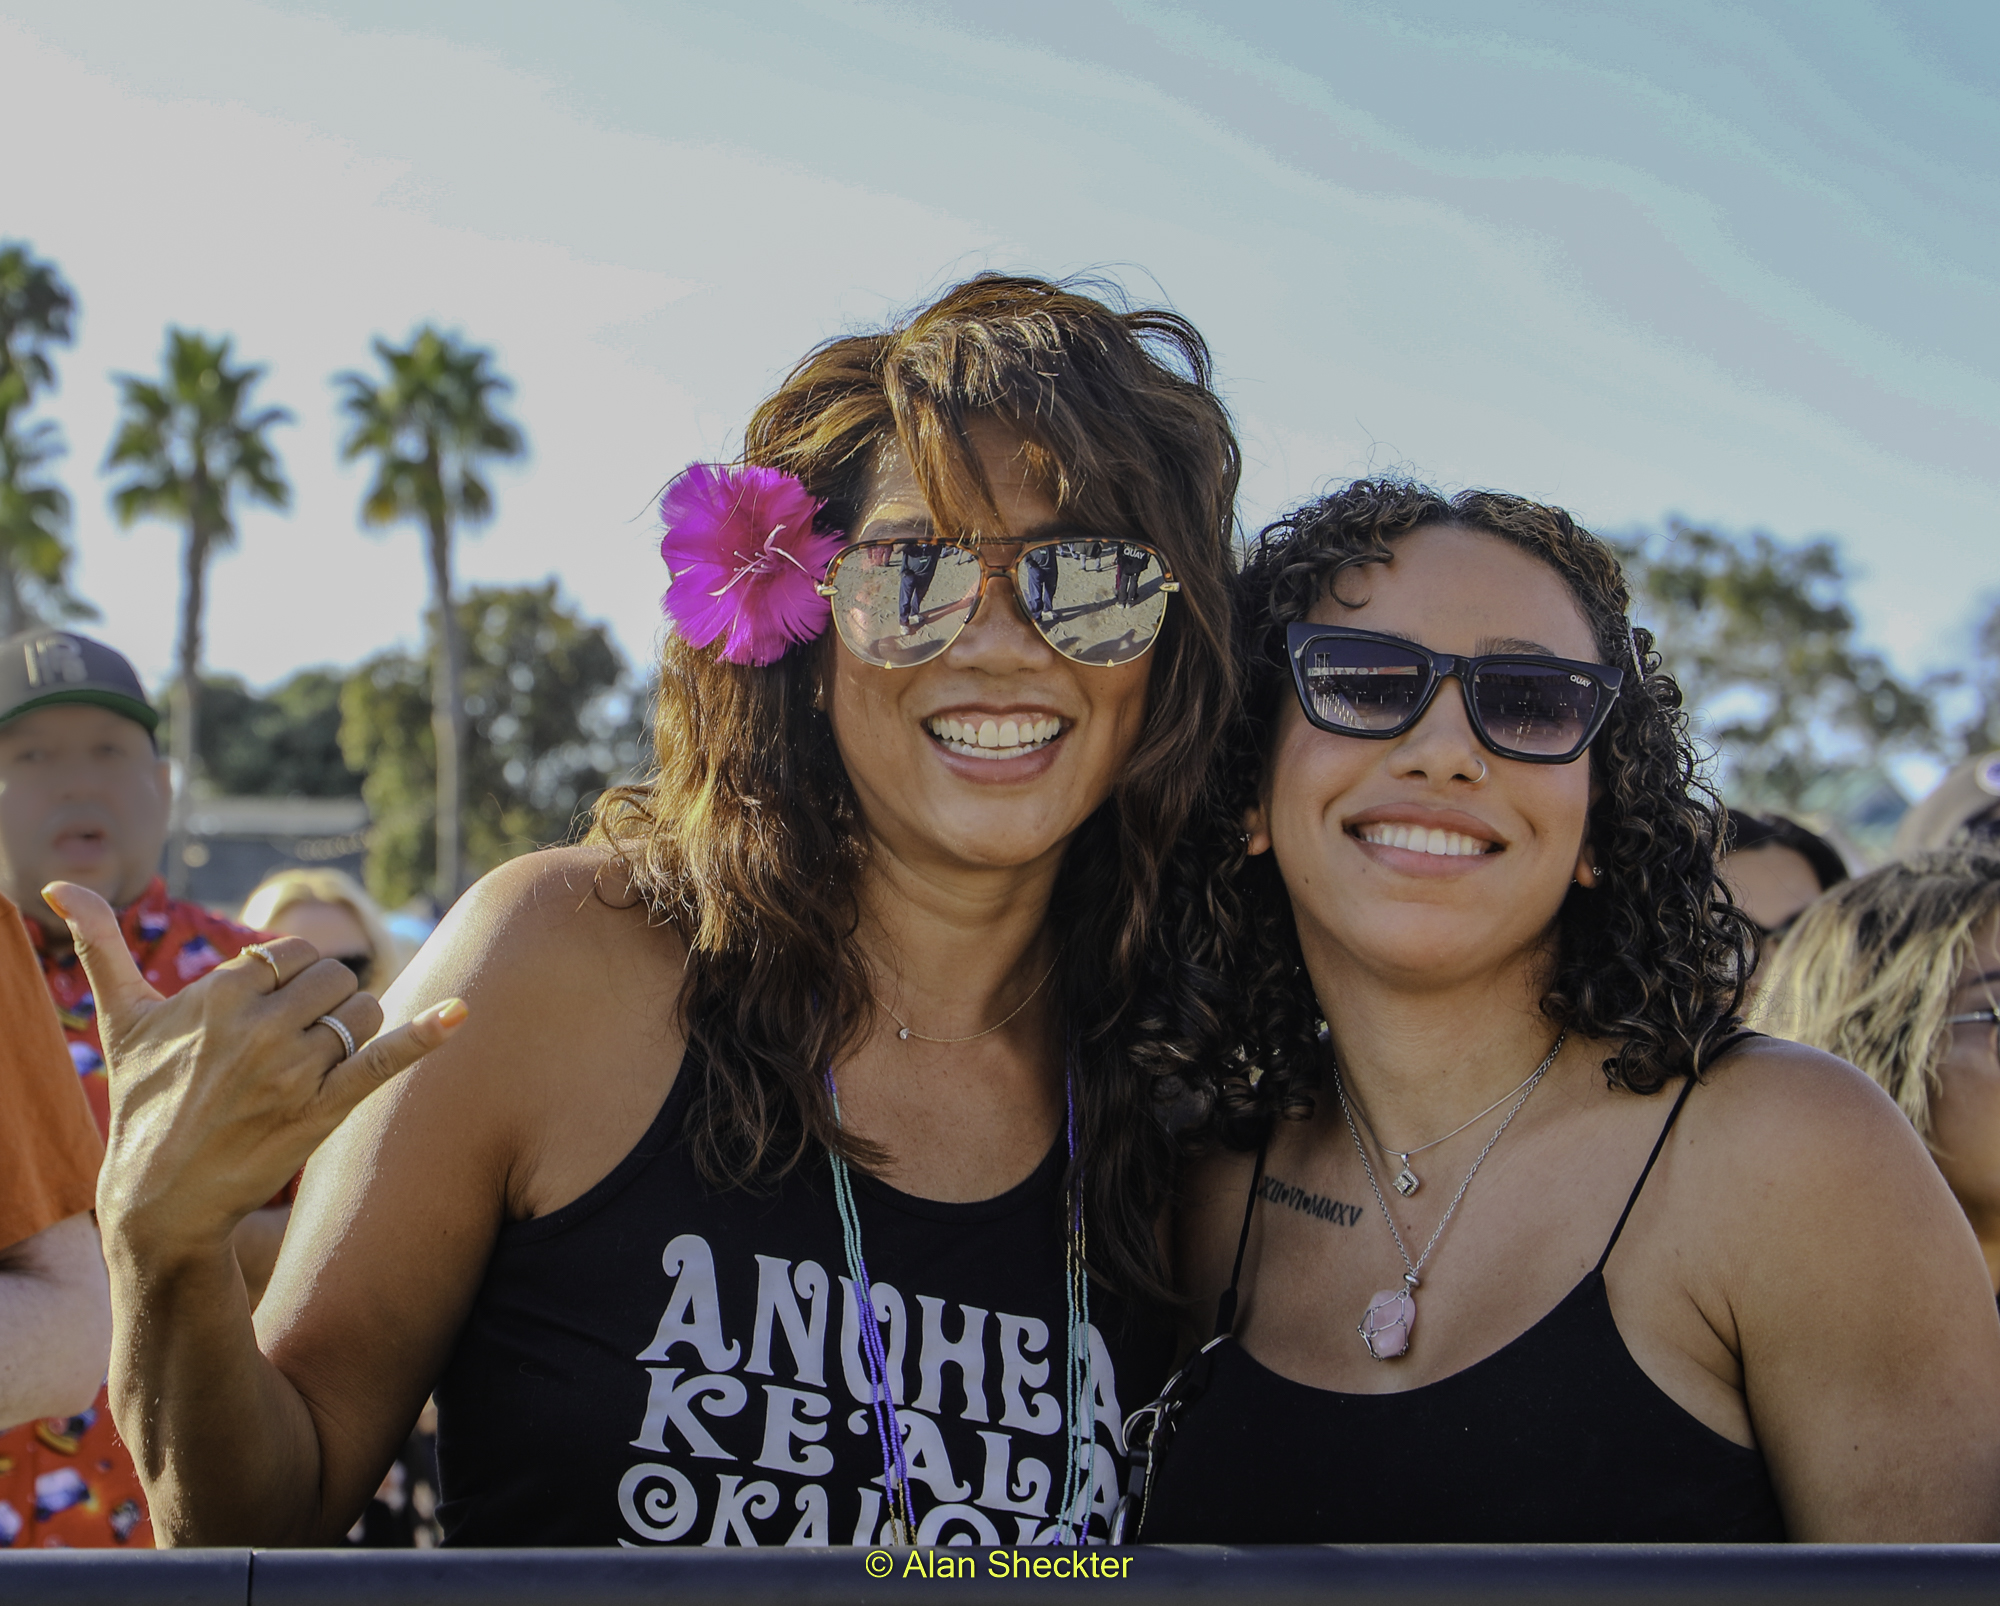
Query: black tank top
{"x": 661, "y": 1362}
{"x": 1558, "y": 1437}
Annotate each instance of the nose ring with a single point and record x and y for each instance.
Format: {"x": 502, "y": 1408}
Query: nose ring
{"x": 1482, "y": 773}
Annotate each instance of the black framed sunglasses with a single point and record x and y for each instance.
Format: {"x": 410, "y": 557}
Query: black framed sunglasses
{"x": 1524, "y": 706}
{"x": 898, "y": 603}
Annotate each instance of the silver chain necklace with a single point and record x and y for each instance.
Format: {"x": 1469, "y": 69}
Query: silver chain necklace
{"x": 1407, "y": 1181}
{"x": 905, "y": 1033}
{"x": 1391, "y": 1316}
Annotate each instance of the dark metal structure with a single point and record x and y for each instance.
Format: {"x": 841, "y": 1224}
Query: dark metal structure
{"x": 1523, "y": 1575}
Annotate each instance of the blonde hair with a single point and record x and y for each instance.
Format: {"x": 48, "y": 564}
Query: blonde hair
{"x": 281, "y": 889}
{"x": 1869, "y": 971}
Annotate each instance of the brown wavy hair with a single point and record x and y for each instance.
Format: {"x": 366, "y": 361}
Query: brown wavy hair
{"x": 1655, "y": 956}
{"x": 747, "y": 839}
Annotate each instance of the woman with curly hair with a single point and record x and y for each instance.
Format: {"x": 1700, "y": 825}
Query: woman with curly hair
{"x": 791, "y": 1179}
{"x": 1898, "y": 972}
{"x": 1531, "y": 1244}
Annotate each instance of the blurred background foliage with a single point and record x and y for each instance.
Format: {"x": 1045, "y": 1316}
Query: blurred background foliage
{"x": 1763, "y": 642}
{"x": 280, "y": 743}
{"x": 551, "y": 719}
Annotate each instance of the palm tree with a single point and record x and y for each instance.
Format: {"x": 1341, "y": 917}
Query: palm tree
{"x": 430, "y": 425}
{"x": 35, "y": 311}
{"x": 189, "y": 448}
{"x": 34, "y": 519}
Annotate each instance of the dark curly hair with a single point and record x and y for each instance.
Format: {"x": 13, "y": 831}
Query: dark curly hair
{"x": 1655, "y": 956}
{"x": 747, "y": 840}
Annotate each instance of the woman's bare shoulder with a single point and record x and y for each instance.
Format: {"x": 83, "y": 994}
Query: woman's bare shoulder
{"x": 1798, "y": 1106}
{"x": 1795, "y": 1156}
{"x": 535, "y": 928}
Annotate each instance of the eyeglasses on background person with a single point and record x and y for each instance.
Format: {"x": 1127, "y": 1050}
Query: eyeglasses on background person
{"x": 1528, "y": 706}
{"x": 333, "y": 912}
{"x": 900, "y": 602}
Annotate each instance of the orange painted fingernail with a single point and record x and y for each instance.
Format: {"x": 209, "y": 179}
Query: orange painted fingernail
{"x": 452, "y": 1011}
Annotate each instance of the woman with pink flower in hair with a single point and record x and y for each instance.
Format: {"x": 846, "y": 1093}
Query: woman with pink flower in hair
{"x": 782, "y": 1164}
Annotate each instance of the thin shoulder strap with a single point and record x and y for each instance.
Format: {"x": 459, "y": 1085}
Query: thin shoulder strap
{"x": 1673, "y": 1115}
{"x": 1712, "y": 1057}
{"x": 1225, "y": 1309}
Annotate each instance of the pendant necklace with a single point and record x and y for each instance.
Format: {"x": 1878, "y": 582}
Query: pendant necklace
{"x": 1391, "y": 1315}
{"x": 906, "y": 1034}
{"x": 1079, "y": 1375}
{"x": 1407, "y": 1181}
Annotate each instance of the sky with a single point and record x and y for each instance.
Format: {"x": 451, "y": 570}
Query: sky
{"x": 1736, "y": 263}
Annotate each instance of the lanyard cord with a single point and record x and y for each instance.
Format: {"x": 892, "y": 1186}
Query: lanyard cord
{"x": 1079, "y": 1373}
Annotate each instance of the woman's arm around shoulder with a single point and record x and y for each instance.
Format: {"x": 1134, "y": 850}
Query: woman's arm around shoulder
{"x": 569, "y": 1049}
{"x": 1844, "y": 1275}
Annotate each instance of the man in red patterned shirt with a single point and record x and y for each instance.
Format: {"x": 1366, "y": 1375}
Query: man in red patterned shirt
{"x": 84, "y": 797}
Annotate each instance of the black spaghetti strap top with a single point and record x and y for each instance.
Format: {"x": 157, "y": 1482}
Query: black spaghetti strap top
{"x": 660, "y": 1362}
{"x": 1558, "y": 1437}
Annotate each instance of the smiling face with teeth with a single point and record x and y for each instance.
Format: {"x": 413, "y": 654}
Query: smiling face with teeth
{"x": 1427, "y": 856}
{"x": 994, "y": 753}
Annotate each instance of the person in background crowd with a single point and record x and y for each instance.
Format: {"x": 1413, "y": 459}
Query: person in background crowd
{"x": 1774, "y": 868}
{"x": 1962, "y": 810}
{"x": 1131, "y": 564}
{"x": 1898, "y": 971}
{"x": 84, "y": 797}
{"x": 55, "y": 1307}
{"x": 919, "y": 564}
{"x": 1549, "y": 1250}
{"x": 792, "y": 1177}
{"x": 332, "y": 911}
{"x": 1041, "y": 567}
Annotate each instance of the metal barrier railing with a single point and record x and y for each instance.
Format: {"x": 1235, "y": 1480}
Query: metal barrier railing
{"x": 1523, "y": 1575}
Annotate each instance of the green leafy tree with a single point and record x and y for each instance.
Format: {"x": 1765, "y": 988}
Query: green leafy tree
{"x": 1760, "y": 637}
{"x": 551, "y": 722}
{"x": 280, "y": 743}
{"x": 36, "y": 308}
{"x": 187, "y": 445}
{"x": 1977, "y": 681}
{"x": 430, "y": 426}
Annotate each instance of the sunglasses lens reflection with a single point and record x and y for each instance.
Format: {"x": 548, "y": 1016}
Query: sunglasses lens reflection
{"x": 1537, "y": 709}
{"x": 1096, "y": 602}
{"x": 1363, "y": 685}
{"x": 899, "y": 603}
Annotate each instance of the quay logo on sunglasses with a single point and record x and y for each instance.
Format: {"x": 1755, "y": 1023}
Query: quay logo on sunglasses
{"x": 1541, "y": 710}
{"x": 899, "y": 603}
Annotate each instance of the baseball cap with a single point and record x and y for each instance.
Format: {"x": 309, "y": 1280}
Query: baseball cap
{"x": 39, "y": 668}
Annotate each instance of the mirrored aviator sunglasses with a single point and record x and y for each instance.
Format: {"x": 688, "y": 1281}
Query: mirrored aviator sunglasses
{"x": 899, "y": 603}
{"x": 1524, "y": 706}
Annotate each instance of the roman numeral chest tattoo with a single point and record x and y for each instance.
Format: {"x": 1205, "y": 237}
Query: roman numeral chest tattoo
{"x": 1283, "y": 1193}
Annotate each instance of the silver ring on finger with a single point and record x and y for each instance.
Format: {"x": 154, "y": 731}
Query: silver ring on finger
{"x": 263, "y": 953}
{"x": 340, "y": 1031}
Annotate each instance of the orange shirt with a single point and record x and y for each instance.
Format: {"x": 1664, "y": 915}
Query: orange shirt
{"x": 49, "y": 1146}
{"x": 70, "y": 1481}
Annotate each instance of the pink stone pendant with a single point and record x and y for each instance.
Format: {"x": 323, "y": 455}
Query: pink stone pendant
{"x": 1388, "y": 1322}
